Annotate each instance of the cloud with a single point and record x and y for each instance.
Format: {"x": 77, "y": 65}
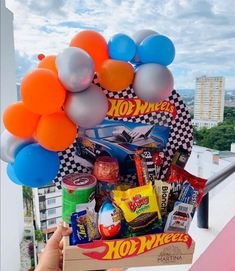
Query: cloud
{"x": 24, "y": 64}
{"x": 202, "y": 31}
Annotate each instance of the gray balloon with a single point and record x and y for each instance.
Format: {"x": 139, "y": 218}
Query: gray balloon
{"x": 87, "y": 108}
{"x": 75, "y": 69}
{"x": 153, "y": 82}
{"x": 10, "y": 145}
{"x": 139, "y": 36}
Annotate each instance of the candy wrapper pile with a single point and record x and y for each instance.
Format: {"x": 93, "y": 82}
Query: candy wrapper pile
{"x": 100, "y": 206}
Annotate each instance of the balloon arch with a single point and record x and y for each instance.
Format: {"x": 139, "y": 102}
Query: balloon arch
{"x": 59, "y": 96}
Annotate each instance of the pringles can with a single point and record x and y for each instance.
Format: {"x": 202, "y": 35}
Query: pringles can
{"x": 77, "y": 188}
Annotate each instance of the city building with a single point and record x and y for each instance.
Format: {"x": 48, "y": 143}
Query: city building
{"x": 208, "y": 101}
{"x": 47, "y": 208}
{"x": 12, "y": 213}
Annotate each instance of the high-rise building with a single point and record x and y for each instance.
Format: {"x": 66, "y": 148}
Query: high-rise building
{"x": 208, "y": 101}
{"x": 47, "y": 208}
{"x": 11, "y": 197}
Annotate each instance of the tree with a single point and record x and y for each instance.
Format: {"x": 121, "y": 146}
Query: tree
{"x": 229, "y": 115}
{"x": 39, "y": 236}
{"x": 28, "y": 199}
{"x": 219, "y": 137}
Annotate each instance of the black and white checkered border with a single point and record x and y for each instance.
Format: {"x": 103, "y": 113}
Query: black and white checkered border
{"x": 181, "y": 133}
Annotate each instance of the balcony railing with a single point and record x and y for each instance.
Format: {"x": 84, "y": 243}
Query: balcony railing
{"x": 203, "y": 210}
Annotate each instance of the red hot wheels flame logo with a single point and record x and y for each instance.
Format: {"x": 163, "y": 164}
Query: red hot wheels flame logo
{"x": 123, "y": 248}
{"x": 135, "y": 107}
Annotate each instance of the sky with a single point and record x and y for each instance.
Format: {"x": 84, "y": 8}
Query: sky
{"x": 203, "y": 32}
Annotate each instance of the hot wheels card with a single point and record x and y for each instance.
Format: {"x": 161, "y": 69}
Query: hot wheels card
{"x": 119, "y": 139}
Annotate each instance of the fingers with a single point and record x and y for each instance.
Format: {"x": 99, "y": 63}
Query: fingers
{"x": 54, "y": 241}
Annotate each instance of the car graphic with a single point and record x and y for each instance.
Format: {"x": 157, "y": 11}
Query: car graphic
{"x": 117, "y": 139}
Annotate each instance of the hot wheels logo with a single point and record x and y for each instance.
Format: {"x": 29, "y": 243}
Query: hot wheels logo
{"x": 123, "y": 248}
{"x": 135, "y": 107}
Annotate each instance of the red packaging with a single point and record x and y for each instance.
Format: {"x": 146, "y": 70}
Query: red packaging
{"x": 106, "y": 169}
{"x": 179, "y": 175}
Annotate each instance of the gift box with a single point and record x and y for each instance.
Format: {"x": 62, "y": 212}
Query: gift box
{"x": 148, "y": 250}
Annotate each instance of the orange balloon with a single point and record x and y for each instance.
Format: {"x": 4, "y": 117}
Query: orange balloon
{"x": 19, "y": 121}
{"x": 48, "y": 62}
{"x": 94, "y": 44}
{"x": 56, "y": 132}
{"x": 115, "y": 75}
{"x": 42, "y": 92}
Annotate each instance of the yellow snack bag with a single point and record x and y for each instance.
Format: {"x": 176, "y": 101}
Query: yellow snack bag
{"x": 137, "y": 201}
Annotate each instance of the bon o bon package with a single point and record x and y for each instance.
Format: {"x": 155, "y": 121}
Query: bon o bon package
{"x": 102, "y": 120}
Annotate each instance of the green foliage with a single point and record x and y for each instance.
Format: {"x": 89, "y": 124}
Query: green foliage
{"x": 229, "y": 114}
{"x": 28, "y": 199}
{"x": 39, "y": 236}
{"x": 219, "y": 137}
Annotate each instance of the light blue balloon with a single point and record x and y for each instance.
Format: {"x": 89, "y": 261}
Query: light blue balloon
{"x": 121, "y": 47}
{"x": 157, "y": 49}
{"x": 11, "y": 174}
{"x": 35, "y": 166}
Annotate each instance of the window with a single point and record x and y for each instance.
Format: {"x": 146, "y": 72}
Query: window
{"x": 51, "y": 211}
{"x": 51, "y": 201}
{"x": 51, "y": 221}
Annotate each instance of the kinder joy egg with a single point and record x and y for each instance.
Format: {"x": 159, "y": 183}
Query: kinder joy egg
{"x": 109, "y": 220}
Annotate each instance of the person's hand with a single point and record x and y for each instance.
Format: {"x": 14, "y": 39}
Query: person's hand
{"x": 51, "y": 259}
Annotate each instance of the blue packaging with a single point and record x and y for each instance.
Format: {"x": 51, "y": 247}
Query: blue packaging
{"x": 79, "y": 227}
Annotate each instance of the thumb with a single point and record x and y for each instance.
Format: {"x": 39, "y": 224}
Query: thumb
{"x": 54, "y": 241}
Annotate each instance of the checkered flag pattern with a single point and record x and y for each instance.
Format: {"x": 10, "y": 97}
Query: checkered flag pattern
{"x": 181, "y": 133}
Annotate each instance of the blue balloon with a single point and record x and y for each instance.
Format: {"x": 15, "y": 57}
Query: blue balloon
{"x": 156, "y": 49}
{"x": 35, "y": 166}
{"x": 121, "y": 47}
{"x": 11, "y": 174}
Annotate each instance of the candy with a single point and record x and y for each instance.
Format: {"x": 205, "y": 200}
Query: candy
{"x": 91, "y": 219}
{"x": 103, "y": 190}
{"x": 162, "y": 189}
{"x": 148, "y": 161}
{"x": 79, "y": 226}
{"x": 109, "y": 220}
{"x": 139, "y": 206}
{"x": 106, "y": 169}
{"x": 185, "y": 186}
{"x": 180, "y": 218}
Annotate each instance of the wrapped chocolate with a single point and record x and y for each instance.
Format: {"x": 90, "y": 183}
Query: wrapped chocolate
{"x": 162, "y": 190}
{"x": 109, "y": 221}
{"x": 180, "y": 218}
{"x": 185, "y": 187}
{"x": 79, "y": 227}
{"x": 139, "y": 206}
{"x": 148, "y": 161}
{"x": 91, "y": 219}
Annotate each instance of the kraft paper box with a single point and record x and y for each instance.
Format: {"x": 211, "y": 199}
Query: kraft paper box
{"x": 149, "y": 250}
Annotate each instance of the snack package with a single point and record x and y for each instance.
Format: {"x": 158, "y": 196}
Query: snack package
{"x": 185, "y": 187}
{"x": 139, "y": 206}
{"x": 148, "y": 161}
{"x": 162, "y": 190}
{"x": 79, "y": 226}
{"x": 181, "y": 157}
{"x": 91, "y": 219}
{"x": 180, "y": 218}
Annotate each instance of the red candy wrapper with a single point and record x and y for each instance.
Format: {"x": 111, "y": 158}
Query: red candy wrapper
{"x": 148, "y": 162}
{"x": 181, "y": 181}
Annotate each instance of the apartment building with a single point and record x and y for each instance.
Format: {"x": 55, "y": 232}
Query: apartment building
{"x": 47, "y": 208}
{"x": 11, "y": 198}
{"x": 208, "y": 101}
